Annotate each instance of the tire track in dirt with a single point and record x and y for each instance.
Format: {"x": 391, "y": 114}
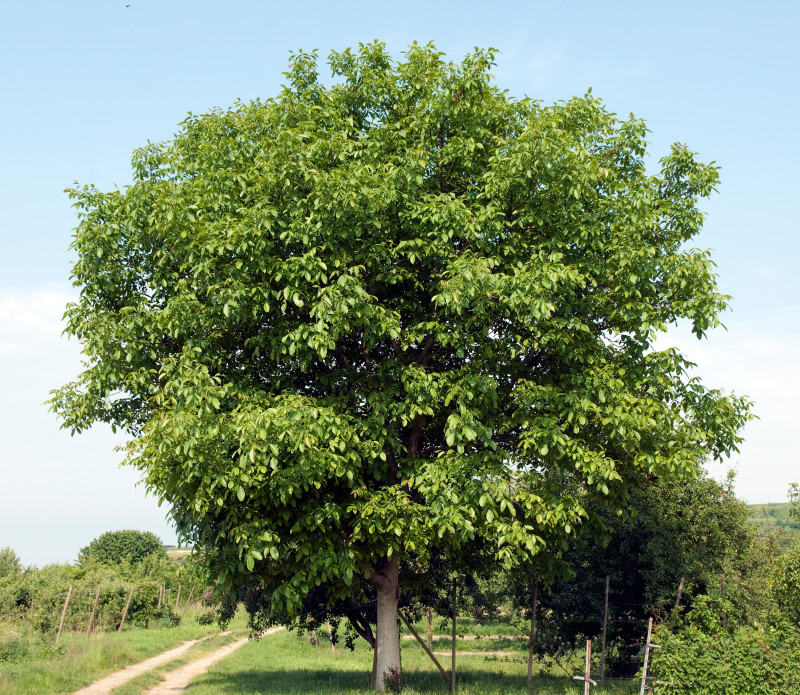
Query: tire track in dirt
{"x": 106, "y": 684}
{"x": 178, "y": 680}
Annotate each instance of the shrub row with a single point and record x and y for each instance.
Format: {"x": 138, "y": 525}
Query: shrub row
{"x": 745, "y": 661}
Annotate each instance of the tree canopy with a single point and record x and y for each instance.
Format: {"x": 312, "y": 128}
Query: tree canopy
{"x": 358, "y": 322}
{"x": 10, "y": 563}
{"x": 116, "y": 547}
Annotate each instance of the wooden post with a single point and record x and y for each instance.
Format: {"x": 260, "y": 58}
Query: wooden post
{"x": 533, "y": 630}
{"x": 453, "y": 667}
{"x": 587, "y": 675}
{"x": 94, "y": 610}
{"x": 125, "y": 612}
{"x": 186, "y": 605}
{"x": 724, "y": 612}
{"x": 587, "y": 671}
{"x": 647, "y": 652}
{"x": 605, "y": 626}
{"x": 330, "y": 637}
{"x": 680, "y": 593}
{"x": 63, "y": 614}
{"x": 177, "y": 600}
{"x": 429, "y": 634}
{"x": 425, "y": 647}
{"x": 677, "y": 603}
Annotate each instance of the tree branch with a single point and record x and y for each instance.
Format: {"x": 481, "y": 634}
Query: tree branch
{"x": 426, "y": 349}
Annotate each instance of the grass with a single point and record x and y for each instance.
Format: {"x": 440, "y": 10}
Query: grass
{"x": 78, "y": 661}
{"x": 284, "y": 664}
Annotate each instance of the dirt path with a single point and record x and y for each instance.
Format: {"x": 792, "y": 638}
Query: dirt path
{"x": 178, "y": 680}
{"x": 510, "y": 638}
{"x": 461, "y": 653}
{"x": 105, "y": 685}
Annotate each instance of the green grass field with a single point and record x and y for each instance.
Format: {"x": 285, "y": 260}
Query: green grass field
{"x": 284, "y": 664}
{"x": 80, "y": 661}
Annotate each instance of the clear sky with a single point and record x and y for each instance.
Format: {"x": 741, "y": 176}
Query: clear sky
{"x": 83, "y": 83}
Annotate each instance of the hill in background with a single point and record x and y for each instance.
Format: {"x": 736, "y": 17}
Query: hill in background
{"x": 773, "y": 516}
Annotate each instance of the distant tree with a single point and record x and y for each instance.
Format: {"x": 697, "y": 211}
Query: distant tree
{"x": 366, "y": 322}
{"x": 116, "y": 547}
{"x": 794, "y": 499}
{"x": 696, "y": 530}
{"x": 9, "y": 562}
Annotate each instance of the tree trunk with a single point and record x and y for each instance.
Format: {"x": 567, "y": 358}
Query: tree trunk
{"x": 387, "y": 642}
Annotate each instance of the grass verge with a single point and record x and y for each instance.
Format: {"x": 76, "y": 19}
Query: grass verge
{"x": 79, "y": 661}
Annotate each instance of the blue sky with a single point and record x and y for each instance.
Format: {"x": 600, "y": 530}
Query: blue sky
{"x": 84, "y": 83}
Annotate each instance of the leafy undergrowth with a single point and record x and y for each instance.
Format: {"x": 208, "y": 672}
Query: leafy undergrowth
{"x": 77, "y": 662}
{"x": 283, "y": 664}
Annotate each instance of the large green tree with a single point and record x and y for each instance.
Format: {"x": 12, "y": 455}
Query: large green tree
{"x": 116, "y": 547}
{"x": 356, "y": 322}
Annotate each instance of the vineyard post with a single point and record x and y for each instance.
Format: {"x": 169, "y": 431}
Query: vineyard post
{"x": 188, "y": 600}
{"x": 587, "y": 671}
{"x": 533, "y": 630}
{"x": 587, "y": 676}
{"x": 724, "y": 612}
{"x": 677, "y": 603}
{"x": 647, "y": 652}
{"x": 425, "y": 647}
{"x": 94, "y": 610}
{"x": 177, "y": 600}
{"x": 125, "y": 612}
{"x": 429, "y": 632}
{"x": 453, "y": 667}
{"x": 605, "y": 625}
{"x": 330, "y": 637}
{"x": 63, "y": 614}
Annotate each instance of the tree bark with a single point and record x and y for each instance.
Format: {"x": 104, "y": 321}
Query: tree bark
{"x": 387, "y": 638}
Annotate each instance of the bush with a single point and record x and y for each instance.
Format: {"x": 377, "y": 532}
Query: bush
{"x": 746, "y": 661}
{"x": 786, "y": 578}
{"x": 35, "y": 597}
{"x": 117, "y": 547}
